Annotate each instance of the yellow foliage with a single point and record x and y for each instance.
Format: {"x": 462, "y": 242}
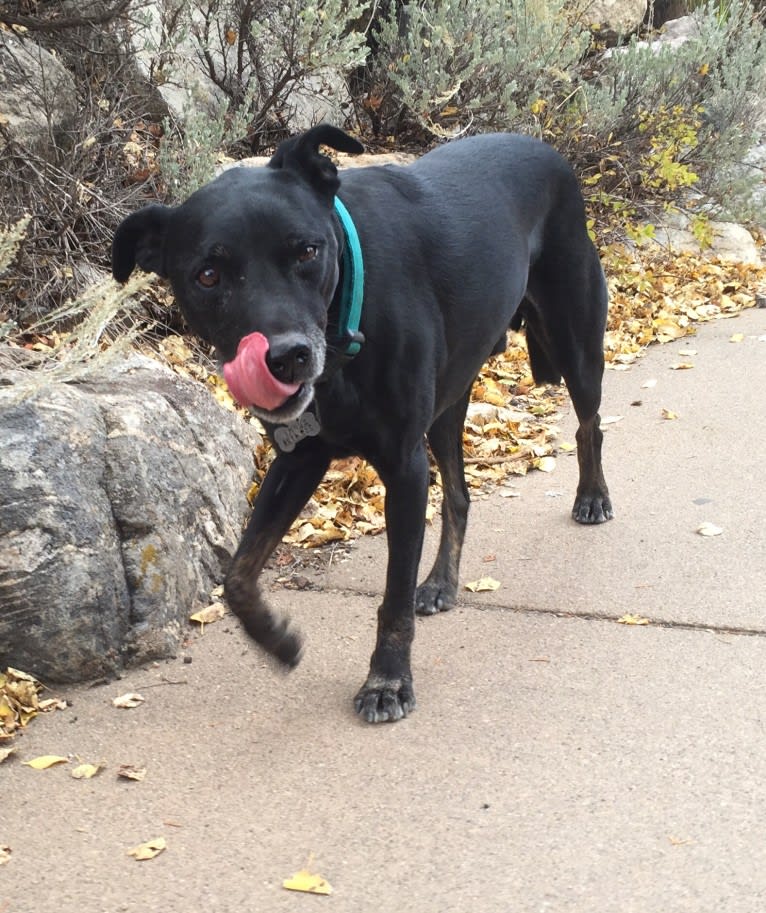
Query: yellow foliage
{"x": 308, "y": 883}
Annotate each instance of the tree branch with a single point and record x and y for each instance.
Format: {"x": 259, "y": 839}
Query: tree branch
{"x": 33, "y": 24}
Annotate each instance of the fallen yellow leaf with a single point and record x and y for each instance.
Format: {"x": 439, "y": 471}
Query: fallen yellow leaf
{"x": 19, "y": 701}
{"x": 211, "y": 613}
{"x": 667, "y": 330}
{"x": 308, "y": 883}
{"x": 23, "y": 676}
{"x": 5, "y": 854}
{"x": 328, "y": 533}
{"x": 128, "y": 701}
{"x": 45, "y": 761}
{"x": 5, "y": 752}
{"x": 737, "y": 337}
{"x": 148, "y": 850}
{"x": 545, "y": 463}
{"x": 52, "y": 703}
{"x": 681, "y": 366}
{"x": 86, "y": 771}
{"x": 175, "y": 350}
{"x": 483, "y": 585}
{"x": 129, "y": 772}
{"x": 632, "y": 620}
{"x": 669, "y": 414}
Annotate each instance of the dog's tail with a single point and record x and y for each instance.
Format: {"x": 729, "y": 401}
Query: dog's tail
{"x": 544, "y": 367}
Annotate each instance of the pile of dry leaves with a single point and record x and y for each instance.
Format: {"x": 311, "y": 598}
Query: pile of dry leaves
{"x": 20, "y": 701}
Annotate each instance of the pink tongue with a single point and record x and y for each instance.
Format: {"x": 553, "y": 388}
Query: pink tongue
{"x": 249, "y": 379}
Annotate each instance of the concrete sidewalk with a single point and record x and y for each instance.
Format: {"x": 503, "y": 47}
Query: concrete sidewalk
{"x": 557, "y": 762}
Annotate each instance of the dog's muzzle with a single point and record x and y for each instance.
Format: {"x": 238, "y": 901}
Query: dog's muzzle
{"x": 274, "y": 377}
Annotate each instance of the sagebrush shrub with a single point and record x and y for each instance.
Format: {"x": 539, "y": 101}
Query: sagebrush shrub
{"x": 693, "y": 110}
{"x": 10, "y": 240}
{"x": 643, "y": 123}
{"x": 460, "y": 66}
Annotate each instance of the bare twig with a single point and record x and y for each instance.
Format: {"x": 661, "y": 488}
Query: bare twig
{"x": 56, "y": 23}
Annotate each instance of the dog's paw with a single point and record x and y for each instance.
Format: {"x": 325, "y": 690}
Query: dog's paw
{"x": 592, "y": 509}
{"x": 385, "y": 700}
{"x": 434, "y": 597}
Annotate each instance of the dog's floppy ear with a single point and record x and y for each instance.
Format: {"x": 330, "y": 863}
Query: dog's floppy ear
{"x": 301, "y": 153}
{"x": 139, "y": 240}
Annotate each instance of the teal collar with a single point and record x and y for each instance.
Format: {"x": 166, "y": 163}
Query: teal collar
{"x": 352, "y": 291}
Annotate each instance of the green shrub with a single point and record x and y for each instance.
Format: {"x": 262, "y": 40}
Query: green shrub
{"x": 457, "y": 66}
{"x": 644, "y": 125}
{"x": 647, "y": 126}
{"x": 662, "y": 120}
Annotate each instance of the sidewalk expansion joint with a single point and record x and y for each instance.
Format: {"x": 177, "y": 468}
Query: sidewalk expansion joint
{"x": 615, "y": 619}
{"x": 738, "y": 630}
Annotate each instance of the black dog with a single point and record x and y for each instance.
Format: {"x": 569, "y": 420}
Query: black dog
{"x": 478, "y": 235}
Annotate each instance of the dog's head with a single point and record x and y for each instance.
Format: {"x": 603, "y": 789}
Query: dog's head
{"x": 253, "y": 260}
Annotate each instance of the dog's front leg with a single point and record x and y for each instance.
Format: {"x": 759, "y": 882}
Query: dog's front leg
{"x": 388, "y": 695}
{"x": 289, "y": 483}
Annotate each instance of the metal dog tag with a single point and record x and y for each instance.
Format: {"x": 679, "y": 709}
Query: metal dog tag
{"x": 287, "y": 436}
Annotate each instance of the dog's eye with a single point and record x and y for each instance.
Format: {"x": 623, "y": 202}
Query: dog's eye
{"x": 307, "y": 253}
{"x": 208, "y": 277}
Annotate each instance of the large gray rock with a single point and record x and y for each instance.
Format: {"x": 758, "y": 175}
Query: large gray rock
{"x": 38, "y": 98}
{"x": 172, "y": 61}
{"x": 122, "y": 502}
{"x": 320, "y": 96}
{"x": 674, "y": 34}
{"x": 729, "y": 241}
{"x": 619, "y": 17}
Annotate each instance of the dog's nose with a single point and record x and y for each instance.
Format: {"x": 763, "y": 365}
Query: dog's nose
{"x": 289, "y": 357}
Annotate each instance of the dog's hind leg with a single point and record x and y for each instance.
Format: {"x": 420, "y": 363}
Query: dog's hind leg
{"x": 289, "y": 483}
{"x": 583, "y": 370}
{"x": 592, "y": 502}
{"x": 438, "y": 592}
{"x": 543, "y": 364}
{"x": 568, "y": 327}
{"x": 388, "y": 695}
